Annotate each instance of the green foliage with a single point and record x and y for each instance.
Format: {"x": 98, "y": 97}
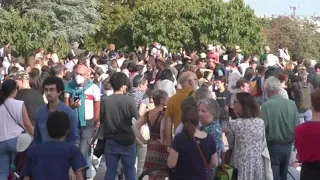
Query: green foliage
{"x": 300, "y": 37}
{"x": 27, "y": 34}
{"x": 71, "y": 19}
{"x": 116, "y": 27}
{"x": 177, "y": 23}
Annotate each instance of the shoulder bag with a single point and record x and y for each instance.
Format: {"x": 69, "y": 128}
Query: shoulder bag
{"x": 23, "y": 142}
{"x": 209, "y": 173}
{"x": 24, "y": 139}
{"x": 224, "y": 171}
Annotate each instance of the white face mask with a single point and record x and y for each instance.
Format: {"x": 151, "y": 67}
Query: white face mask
{"x": 79, "y": 79}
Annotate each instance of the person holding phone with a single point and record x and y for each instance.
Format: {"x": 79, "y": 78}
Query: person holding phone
{"x": 83, "y": 96}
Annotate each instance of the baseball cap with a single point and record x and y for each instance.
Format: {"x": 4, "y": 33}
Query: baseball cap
{"x": 203, "y": 55}
{"x": 22, "y": 75}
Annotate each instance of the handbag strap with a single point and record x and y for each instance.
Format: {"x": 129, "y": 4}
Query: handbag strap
{"x": 203, "y": 158}
{"x": 17, "y": 122}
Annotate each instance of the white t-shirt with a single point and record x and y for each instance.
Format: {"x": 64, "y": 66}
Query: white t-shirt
{"x": 154, "y": 51}
{"x": 271, "y": 60}
{"x": 120, "y": 62}
{"x": 92, "y": 94}
{"x": 232, "y": 80}
{"x": 243, "y": 67}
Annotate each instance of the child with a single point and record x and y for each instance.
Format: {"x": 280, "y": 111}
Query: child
{"x": 52, "y": 160}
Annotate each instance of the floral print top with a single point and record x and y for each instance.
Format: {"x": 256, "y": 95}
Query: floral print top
{"x": 215, "y": 130}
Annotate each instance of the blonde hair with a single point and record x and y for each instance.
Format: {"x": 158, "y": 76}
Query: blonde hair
{"x": 289, "y": 66}
{"x": 38, "y": 61}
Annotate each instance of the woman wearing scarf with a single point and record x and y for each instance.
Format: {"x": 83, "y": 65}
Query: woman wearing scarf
{"x": 209, "y": 113}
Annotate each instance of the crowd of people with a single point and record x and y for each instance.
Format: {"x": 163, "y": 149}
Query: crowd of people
{"x": 188, "y": 112}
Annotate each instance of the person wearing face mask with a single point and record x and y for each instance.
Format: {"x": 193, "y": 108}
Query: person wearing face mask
{"x": 84, "y": 97}
{"x": 189, "y": 83}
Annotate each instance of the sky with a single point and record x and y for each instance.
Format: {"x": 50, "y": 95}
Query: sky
{"x": 282, "y": 7}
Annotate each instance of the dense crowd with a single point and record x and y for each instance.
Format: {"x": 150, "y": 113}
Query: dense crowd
{"x": 183, "y": 115}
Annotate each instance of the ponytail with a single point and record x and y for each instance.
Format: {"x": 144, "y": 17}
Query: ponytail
{"x": 190, "y": 119}
{"x": 189, "y": 129}
{"x": 2, "y": 98}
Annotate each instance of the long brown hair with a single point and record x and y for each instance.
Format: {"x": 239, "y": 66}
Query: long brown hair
{"x": 190, "y": 119}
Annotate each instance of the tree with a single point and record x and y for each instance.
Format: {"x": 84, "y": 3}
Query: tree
{"x": 300, "y": 37}
{"x": 27, "y": 34}
{"x": 178, "y": 23}
{"x": 115, "y": 27}
{"x": 71, "y": 19}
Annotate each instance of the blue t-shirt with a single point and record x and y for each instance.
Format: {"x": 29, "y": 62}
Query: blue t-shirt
{"x": 190, "y": 164}
{"x": 52, "y": 160}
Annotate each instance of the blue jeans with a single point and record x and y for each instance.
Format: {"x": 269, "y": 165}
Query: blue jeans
{"x": 8, "y": 150}
{"x": 280, "y": 156}
{"x": 306, "y": 116}
{"x": 115, "y": 152}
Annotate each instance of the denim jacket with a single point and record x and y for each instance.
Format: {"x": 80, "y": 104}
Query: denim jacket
{"x": 40, "y": 129}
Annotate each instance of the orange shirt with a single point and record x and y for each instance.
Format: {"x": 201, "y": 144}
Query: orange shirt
{"x": 174, "y": 106}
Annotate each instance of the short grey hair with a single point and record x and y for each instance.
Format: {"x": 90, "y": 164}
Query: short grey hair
{"x": 272, "y": 84}
{"x": 303, "y": 74}
{"x": 202, "y": 93}
{"x": 212, "y": 106}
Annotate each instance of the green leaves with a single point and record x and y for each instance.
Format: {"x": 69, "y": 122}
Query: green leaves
{"x": 27, "y": 34}
{"x": 300, "y": 37}
{"x": 177, "y": 23}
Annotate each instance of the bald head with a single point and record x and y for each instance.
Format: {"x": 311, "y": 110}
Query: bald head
{"x": 187, "y": 80}
{"x": 82, "y": 70}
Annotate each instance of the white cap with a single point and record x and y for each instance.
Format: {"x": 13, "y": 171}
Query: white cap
{"x": 23, "y": 142}
{"x": 210, "y": 47}
{"x": 225, "y": 57}
{"x": 203, "y": 55}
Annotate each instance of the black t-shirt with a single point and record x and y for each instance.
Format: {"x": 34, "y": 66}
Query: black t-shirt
{"x": 116, "y": 113}
{"x": 221, "y": 98}
{"x": 33, "y": 100}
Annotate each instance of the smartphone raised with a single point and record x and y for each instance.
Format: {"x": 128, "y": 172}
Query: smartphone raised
{"x": 76, "y": 98}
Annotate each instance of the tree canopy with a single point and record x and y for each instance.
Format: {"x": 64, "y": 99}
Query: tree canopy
{"x": 27, "y": 34}
{"x": 178, "y": 23}
{"x": 71, "y": 19}
{"x": 300, "y": 37}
